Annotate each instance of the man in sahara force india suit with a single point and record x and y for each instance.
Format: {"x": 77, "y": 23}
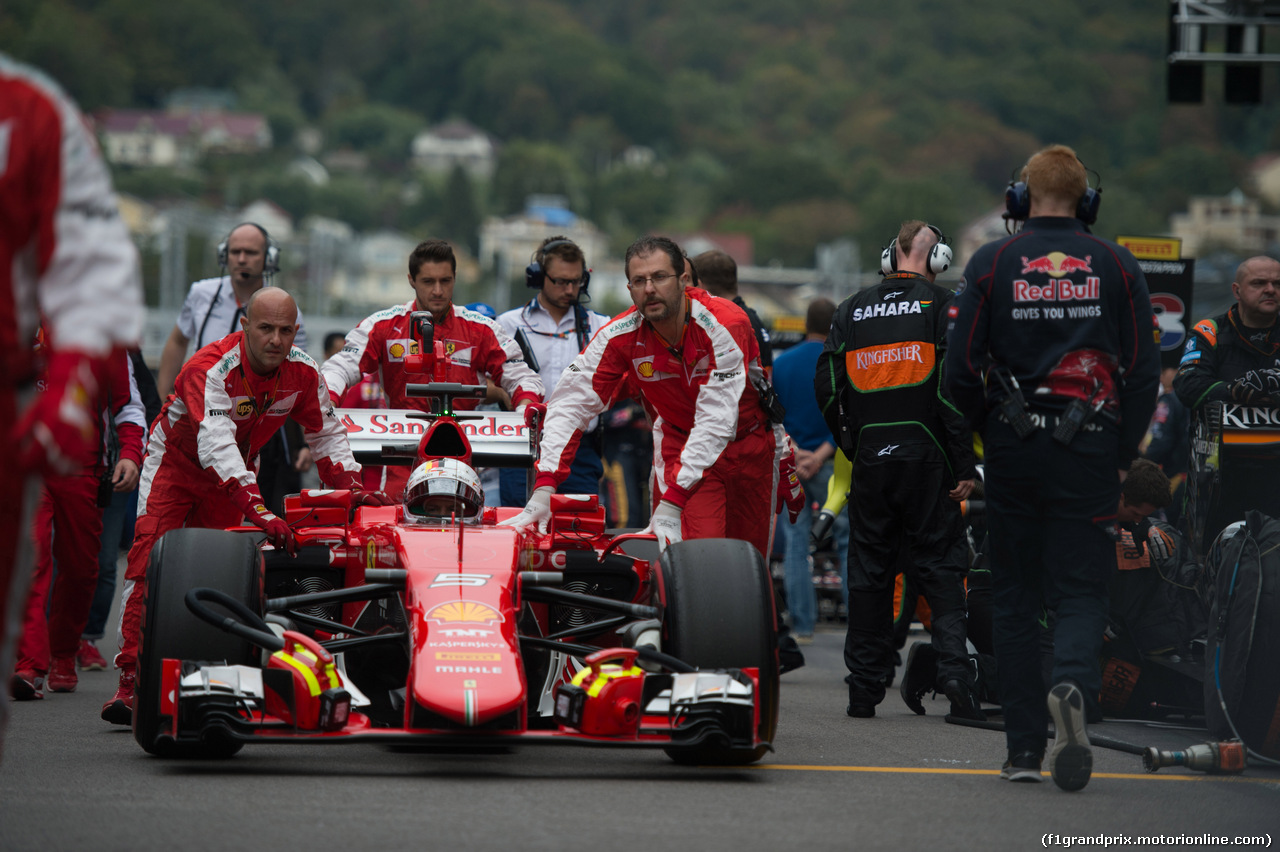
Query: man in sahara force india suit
{"x": 692, "y": 360}
{"x": 878, "y": 384}
{"x": 475, "y": 347}
{"x": 1234, "y": 358}
{"x": 229, "y": 399}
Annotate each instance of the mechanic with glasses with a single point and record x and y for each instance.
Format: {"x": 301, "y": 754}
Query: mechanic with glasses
{"x": 557, "y": 327}
{"x": 693, "y": 361}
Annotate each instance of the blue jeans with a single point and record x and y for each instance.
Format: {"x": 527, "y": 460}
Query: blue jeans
{"x": 116, "y": 519}
{"x": 801, "y": 600}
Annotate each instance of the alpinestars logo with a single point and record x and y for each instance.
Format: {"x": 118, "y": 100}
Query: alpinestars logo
{"x": 893, "y": 294}
{"x": 888, "y": 450}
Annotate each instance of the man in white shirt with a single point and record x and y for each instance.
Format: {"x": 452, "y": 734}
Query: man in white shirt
{"x": 557, "y": 328}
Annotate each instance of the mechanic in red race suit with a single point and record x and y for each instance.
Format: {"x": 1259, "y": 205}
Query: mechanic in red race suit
{"x": 1060, "y": 320}
{"x": 1235, "y": 358}
{"x": 65, "y": 258}
{"x": 476, "y": 347}
{"x": 229, "y": 399}
{"x": 68, "y": 527}
{"x": 691, "y": 358}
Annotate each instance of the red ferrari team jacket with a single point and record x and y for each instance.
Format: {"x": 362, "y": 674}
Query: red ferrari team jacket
{"x": 699, "y": 393}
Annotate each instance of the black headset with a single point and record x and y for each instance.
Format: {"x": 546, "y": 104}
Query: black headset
{"x": 939, "y": 256}
{"x": 535, "y": 276}
{"x": 272, "y": 263}
{"x": 1017, "y": 199}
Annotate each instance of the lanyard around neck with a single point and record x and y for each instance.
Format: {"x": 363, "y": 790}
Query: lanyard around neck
{"x": 258, "y": 413}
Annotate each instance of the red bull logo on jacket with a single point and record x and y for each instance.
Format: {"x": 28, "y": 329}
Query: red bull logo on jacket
{"x": 1064, "y": 290}
{"x": 1055, "y": 264}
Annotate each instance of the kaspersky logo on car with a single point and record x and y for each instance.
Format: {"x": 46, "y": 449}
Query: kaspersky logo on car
{"x": 1055, "y": 264}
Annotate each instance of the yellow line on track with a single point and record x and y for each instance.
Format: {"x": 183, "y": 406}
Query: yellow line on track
{"x": 941, "y": 770}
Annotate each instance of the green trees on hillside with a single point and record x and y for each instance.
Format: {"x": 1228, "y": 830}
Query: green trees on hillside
{"x": 796, "y": 122}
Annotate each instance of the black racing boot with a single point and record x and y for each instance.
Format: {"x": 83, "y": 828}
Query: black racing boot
{"x": 964, "y": 704}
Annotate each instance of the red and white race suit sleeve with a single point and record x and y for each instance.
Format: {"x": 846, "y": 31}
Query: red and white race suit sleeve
{"x": 323, "y": 431}
{"x": 130, "y": 416}
{"x": 69, "y": 258}
{"x": 360, "y": 354}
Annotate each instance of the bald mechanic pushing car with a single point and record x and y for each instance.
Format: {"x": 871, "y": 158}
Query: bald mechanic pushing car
{"x": 693, "y": 361}
{"x": 198, "y": 472}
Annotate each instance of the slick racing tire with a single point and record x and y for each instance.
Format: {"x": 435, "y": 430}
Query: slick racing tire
{"x": 719, "y": 613}
{"x": 184, "y": 559}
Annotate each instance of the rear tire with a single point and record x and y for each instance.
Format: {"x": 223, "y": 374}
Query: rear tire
{"x": 184, "y": 559}
{"x": 719, "y": 613}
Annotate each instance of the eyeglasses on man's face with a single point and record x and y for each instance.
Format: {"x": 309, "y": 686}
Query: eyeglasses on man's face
{"x": 639, "y": 282}
{"x": 565, "y": 282}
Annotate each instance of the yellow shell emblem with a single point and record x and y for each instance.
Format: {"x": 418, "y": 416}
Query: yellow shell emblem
{"x": 397, "y": 350}
{"x": 645, "y": 369}
{"x": 463, "y": 612}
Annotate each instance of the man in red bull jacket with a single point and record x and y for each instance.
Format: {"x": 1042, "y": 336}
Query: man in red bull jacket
{"x": 229, "y": 399}
{"x": 475, "y": 346}
{"x": 1059, "y": 369}
{"x": 693, "y": 361}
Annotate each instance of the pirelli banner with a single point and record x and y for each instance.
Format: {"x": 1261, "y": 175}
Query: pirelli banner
{"x": 1169, "y": 278}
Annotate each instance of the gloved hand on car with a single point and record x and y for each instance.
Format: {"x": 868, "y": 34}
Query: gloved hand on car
{"x": 250, "y": 503}
{"x": 537, "y": 512}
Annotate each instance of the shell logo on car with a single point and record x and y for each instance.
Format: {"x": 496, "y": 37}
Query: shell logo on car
{"x": 463, "y": 612}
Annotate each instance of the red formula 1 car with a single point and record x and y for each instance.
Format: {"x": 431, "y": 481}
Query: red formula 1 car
{"x": 390, "y": 627}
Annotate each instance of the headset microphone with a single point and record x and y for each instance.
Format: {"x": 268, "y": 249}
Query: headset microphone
{"x": 270, "y": 263}
{"x": 939, "y": 256}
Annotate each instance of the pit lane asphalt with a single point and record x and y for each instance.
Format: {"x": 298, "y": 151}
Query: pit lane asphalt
{"x": 69, "y": 781}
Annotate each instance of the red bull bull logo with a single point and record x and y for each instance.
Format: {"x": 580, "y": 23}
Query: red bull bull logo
{"x": 1055, "y": 264}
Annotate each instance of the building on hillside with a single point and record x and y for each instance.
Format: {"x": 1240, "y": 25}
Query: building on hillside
{"x": 455, "y": 143}
{"x": 1264, "y": 173}
{"x": 1233, "y": 221}
{"x": 373, "y": 272}
{"x": 150, "y": 138}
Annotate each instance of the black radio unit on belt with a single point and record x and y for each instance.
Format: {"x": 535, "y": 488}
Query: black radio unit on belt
{"x": 1013, "y": 406}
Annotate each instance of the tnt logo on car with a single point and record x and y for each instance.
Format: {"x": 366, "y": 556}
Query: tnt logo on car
{"x": 1169, "y": 311}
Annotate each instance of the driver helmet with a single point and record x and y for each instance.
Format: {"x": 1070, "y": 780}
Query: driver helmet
{"x": 442, "y": 489}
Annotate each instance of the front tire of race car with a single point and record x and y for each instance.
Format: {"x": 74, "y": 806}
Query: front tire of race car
{"x": 181, "y": 560}
{"x": 719, "y": 613}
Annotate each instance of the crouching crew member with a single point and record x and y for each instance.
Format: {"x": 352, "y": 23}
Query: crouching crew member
{"x": 229, "y": 399}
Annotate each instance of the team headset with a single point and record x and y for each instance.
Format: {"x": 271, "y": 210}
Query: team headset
{"x": 939, "y": 256}
{"x": 1017, "y": 199}
{"x": 535, "y": 276}
{"x": 272, "y": 264}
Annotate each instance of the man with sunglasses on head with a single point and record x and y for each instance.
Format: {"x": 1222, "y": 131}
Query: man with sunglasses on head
{"x": 693, "y": 361}
{"x": 557, "y": 328}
